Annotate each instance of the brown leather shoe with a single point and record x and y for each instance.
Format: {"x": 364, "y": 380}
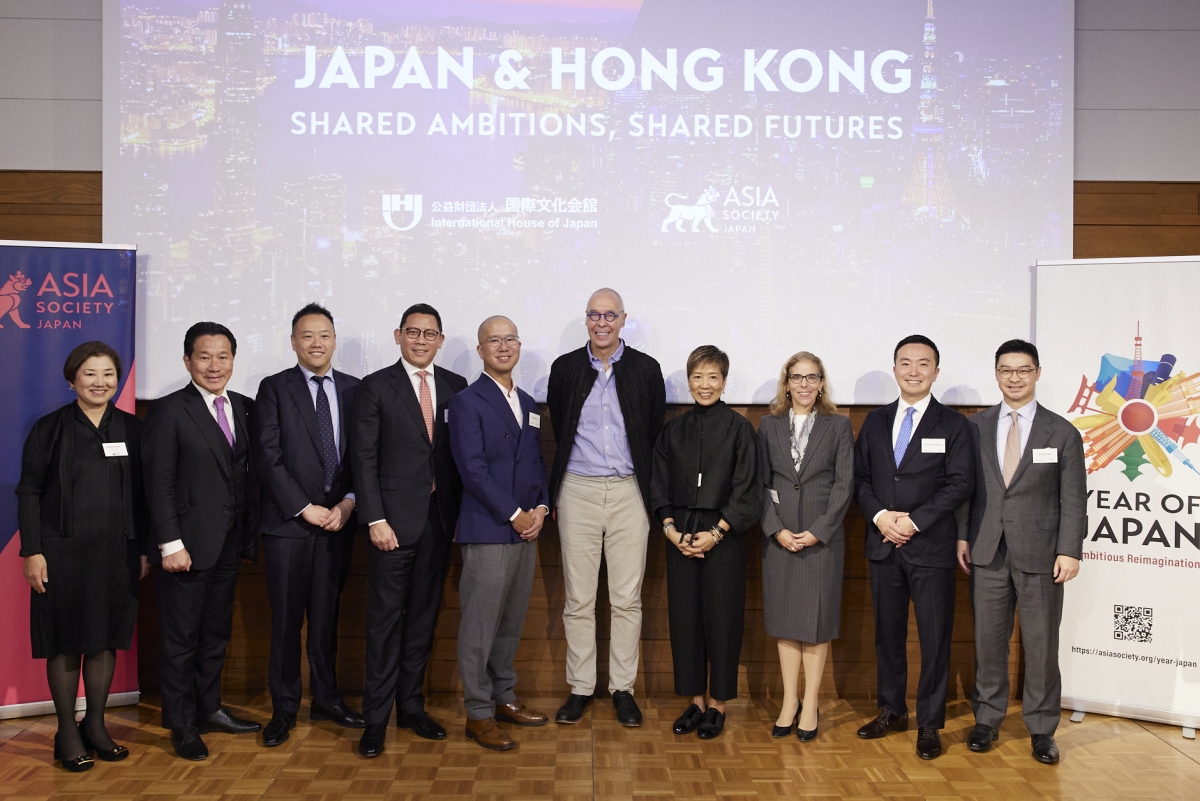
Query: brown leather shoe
{"x": 520, "y": 715}
{"x": 489, "y": 735}
{"x": 880, "y": 726}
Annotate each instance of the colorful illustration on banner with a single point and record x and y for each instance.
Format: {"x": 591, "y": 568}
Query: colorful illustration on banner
{"x": 1137, "y": 413}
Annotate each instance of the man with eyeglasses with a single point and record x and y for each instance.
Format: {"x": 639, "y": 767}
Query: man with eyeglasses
{"x": 1024, "y": 542}
{"x": 607, "y": 402}
{"x": 408, "y": 492}
{"x": 495, "y": 435}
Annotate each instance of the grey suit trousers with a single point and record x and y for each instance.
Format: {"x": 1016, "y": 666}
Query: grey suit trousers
{"x": 996, "y": 589}
{"x": 494, "y": 592}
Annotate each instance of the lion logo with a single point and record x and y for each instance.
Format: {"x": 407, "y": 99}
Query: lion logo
{"x": 702, "y": 212}
{"x": 10, "y": 298}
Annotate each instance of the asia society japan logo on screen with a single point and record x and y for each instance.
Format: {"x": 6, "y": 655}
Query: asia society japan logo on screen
{"x": 740, "y": 210}
{"x": 10, "y": 299}
{"x": 61, "y": 301}
{"x": 395, "y": 207}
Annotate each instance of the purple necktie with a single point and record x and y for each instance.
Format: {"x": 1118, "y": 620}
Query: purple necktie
{"x": 222, "y": 420}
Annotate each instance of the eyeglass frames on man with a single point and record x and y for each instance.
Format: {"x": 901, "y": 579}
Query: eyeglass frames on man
{"x": 430, "y": 334}
{"x": 510, "y": 340}
{"x": 608, "y": 316}
{"x": 1021, "y": 372}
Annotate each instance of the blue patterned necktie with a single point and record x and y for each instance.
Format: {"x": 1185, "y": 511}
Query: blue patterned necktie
{"x": 329, "y": 450}
{"x": 902, "y": 439}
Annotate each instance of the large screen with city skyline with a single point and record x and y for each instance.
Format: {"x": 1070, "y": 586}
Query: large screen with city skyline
{"x": 766, "y": 177}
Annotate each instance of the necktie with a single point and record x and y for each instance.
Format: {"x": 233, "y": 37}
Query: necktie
{"x": 1012, "y": 449}
{"x": 329, "y": 449}
{"x": 902, "y": 439}
{"x": 222, "y": 420}
{"x": 427, "y": 411}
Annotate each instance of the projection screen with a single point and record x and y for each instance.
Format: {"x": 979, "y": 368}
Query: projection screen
{"x": 762, "y": 176}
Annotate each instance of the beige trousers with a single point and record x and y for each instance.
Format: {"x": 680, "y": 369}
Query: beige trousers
{"x": 600, "y": 515}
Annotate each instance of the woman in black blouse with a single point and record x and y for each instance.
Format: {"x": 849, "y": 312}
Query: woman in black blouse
{"x": 705, "y": 490}
{"x": 81, "y": 513}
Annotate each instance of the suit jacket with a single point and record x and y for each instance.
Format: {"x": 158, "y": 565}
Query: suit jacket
{"x": 643, "y": 398}
{"x": 393, "y": 462}
{"x": 1042, "y": 513}
{"x": 287, "y": 452}
{"x": 928, "y": 486}
{"x": 816, "y": 498}
{"x": 500, "y": 461}
{"x": 198, "y": 489}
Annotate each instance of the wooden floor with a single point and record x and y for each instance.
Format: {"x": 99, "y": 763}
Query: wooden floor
{"x": 1102, "y": 758}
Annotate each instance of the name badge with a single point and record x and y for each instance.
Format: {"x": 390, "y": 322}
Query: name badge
{"x": 535, "y": 420}
{"x": 775, "y": 496}
{"x": 931, "y": 445}
{"x": 1045, "y": 455}
{"x": 119, "y": 449}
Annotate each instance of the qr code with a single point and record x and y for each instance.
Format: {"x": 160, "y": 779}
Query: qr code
{"x": 1133, "y": 623}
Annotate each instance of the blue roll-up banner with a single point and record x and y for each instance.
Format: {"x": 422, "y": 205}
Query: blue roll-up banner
{"x": 53, "y": 296}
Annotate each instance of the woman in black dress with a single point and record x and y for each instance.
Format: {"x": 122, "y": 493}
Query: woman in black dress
{"x": 705, "y": 490}
{"x": 81, "y": 513}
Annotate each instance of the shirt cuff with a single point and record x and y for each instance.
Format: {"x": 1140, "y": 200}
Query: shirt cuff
{"x": 302, "y": 510}
{"x": 167, "y": 548}
{"x": 515, "y": 514}
{"x": 875, "y": 519}
{"x": 381, "y": 520}
{"x": 353, "y": 499}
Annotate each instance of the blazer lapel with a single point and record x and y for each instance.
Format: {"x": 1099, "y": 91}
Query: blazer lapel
{"x": 987, "y": 431}
{"x": 198, "y": 411}
{"x": 408, "y": 397}
{"x": 1039, "y": 435}
{"x": 819, "y": 430}
{"x": 444, "y": 394}
{"x": 781, "y": 441}
{"x": 304, "y": 403}
{"x": 928, "y": 420}
{"x": 495, "y": 398}
{"x": 528, "y": 406}
{"x": 241, "y": 432}
{"x": 343, "y": 405}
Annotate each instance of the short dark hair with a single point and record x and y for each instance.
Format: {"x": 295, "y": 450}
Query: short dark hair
{"x": 421, "y": 308}
{"x": 81, "y": 353}
{"x": 709, "y": 354}
{"x": 918, "y": 339}
{"x": 1019, "y": 346}
{"x": 207, "y": 329}
{"x": 312, "y": 308}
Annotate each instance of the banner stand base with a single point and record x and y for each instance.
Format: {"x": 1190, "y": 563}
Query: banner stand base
{"x": 47, "y": 707}
{"x": 1077, "y": 716}
{"x": 1189, "y": 733}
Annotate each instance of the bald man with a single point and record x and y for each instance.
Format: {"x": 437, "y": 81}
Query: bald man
{"x": 495, "y": 436}
{"x": 606, "y": 402}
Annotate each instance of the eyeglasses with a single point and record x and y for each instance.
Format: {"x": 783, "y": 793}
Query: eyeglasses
{"x": 429, "y": 334}
{"x": 494, "y": 342}
{"x": 609, "y": 316}
{"x": 811, "y": 378}
{"x": 1021, "y": 372}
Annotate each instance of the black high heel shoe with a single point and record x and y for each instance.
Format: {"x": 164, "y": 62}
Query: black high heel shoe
{"x": 779, "y": 732}
{"x": 79, "y": 764}
{"x": 806, "y": 735}
{"x": 114, "y": 754}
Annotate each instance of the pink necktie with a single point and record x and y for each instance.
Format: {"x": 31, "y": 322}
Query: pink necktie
{"x": 223, "y": 421}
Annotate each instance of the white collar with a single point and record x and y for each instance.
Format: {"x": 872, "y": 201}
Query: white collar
{"x": 507, "y": 393}
{"x": 308, "y": 374}
{"x": 921, "y": 405}
{"x": 208, "y": 396}
{"x": 1026, "y": 412}
{"x": 412, "y": 370}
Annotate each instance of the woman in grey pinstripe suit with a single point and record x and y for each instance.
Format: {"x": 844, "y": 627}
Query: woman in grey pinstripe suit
{"x": 807, "y": 468}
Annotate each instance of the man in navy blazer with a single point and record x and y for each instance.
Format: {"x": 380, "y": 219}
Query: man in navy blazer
{"x": 300, "y": 435}
{"x": 495, "y": 436}
{"x": 914, "y": 466}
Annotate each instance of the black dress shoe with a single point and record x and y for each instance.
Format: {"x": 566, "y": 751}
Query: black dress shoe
{"x": 223, "y": 720}
{"x": 689, "y": 720}
{"x": 572, "y": 710}
{"x": 114, "y": 754}
{"x": 422, "y": 724}
{"x": 779, "y": 732}
{"x": 880, "y": 726}
{"x": 276, "y": 732}
{"x": 807, "y": 735}
{"x": 628, "y": 714}
{"x": 929, "y": 744}
{"x": 77, "y": 764}
{"x": 371, "y": 744}
{"x": 340, "y": 714}
{"x": 1045, "y": 750}
{"x": 981, "y": 738}
{"x": 711, "y": 725}
{"x": 188, "y": 745}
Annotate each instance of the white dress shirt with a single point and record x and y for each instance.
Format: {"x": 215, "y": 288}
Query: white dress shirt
{"x": 175, "y": 546}
{"x": 331, "y": 395}
{"x": 1004, "y": 422}
{"x": 902, "y": 410}
{"x": 416, "y": 381}
{"x": 514, "y": 402}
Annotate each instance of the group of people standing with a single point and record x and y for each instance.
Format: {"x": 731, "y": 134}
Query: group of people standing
{"x": 419, "y": 458}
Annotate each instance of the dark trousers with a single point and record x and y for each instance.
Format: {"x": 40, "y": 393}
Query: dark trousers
{"x": 706, "y": 606}
{"x": 404, "y": 594}
{"x": 195, "y": 620}
{"x": 997, "y": 590}
{"x": 305, "y": 576}
{"x": 894, "y": 582}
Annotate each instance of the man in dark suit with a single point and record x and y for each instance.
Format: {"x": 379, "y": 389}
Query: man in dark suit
{"x": 913, "y": 468}
{"x": 495, "y": 435}
{"x": 408, "y": 492}
{"x": 307, "y": 519}
{"x": 201, "y": 495}
{"x": 1025, "y": 538}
